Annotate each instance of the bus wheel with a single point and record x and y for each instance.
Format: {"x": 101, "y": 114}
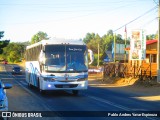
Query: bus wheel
{"x": 30, "y": 86}
{"x": 42, "y": 91}
{"x": 75, "y": 92}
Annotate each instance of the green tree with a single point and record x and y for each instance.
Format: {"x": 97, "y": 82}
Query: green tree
{"x": 89, "y": 37}
{"x": 92, "y": 40}
{"x": 107, "y": 40}
{"x": 93, "y": 44}
{"x": 14, "y": 52}
{"x": 1, "y": 34}
{"x": 3, "y": 43}
{"x": 151, "y": 37}
{"x": 105, "y": 43}
{"x": 38, "y": 37}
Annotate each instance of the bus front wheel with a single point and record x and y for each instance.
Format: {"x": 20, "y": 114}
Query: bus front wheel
{"x": 40, "y": 90}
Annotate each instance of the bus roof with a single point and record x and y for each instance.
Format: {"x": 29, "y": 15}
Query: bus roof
{"x": 57, "y": 41}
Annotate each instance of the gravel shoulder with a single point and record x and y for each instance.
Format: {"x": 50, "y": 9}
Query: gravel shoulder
{"x": 146, "y": 90}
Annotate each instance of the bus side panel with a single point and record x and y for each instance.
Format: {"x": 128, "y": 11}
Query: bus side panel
{"x": 32, "y": 71}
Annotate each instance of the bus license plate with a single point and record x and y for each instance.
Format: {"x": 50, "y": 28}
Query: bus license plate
{"x": 66, "y": 86}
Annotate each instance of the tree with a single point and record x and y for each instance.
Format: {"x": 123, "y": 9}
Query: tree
{"x": 38, "y": 37}
{"x": 110, "y": 33}
{"x": 14, "y": 52}
{"x": 1, "y": 34}
{"x": 3, "y": 43}
{"x": 151, "y": 37}
{"x": 93, "y": 42}
{"x": 89, "y": 37}
{"x": 105, "y": 43}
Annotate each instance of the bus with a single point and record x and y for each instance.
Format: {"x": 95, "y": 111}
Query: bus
{"x": 58, "y": 64}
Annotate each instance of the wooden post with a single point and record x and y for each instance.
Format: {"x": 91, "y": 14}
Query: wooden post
{"x": 150, "y": 66}
{"x": 114, "y": 48}
{"x": 158, "y": 46}
{"x": 134, "y": 68}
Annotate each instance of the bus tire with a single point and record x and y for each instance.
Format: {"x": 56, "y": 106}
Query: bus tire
{"x": 75, "y": 92}
{"x": 30, "y": 86}
{"x": 39, "y": 88}
{"x": 42, "y": 91}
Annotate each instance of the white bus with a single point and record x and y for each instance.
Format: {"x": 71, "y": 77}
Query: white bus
{"x": 57, "y": 65}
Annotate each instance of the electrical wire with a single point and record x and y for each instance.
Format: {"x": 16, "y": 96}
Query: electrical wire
{"x": 87, "y": 13}
{"x": 135, "y": 18}
{"x": 155, "y": 2}
{"x": 73, "y": 3}
{"x": 149, "y": 22}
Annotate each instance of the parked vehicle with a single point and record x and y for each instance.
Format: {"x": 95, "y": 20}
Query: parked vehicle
{"x": 3, "y": 97}
{"x": 5, "y": 62}
{"x": 16, "y": 70}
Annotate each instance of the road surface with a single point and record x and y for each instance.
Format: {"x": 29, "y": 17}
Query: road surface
{"x": 94, "y": 103}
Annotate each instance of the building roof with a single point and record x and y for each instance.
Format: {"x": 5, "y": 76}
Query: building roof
{"x": 148, "y": 42}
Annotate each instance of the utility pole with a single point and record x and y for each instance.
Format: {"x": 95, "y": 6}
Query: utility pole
{"x": 158, "y": 46}
{"x": 114, "y": 47}
{"x": 125, "y": 55}
{"x": 98, "y": 56}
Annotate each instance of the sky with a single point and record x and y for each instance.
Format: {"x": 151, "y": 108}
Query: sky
{"x": 73, "y": 19}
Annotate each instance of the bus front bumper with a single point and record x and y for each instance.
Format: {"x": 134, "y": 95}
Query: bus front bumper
{"x": 82, "y": 85}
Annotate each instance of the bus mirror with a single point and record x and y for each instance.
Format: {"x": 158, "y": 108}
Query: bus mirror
{"x": 91, "y": 55}
{"x": 42, "y": 57}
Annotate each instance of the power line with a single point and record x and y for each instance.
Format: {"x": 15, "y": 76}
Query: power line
{"x": 135, "y": 18}
{"x": 73, "y": 5}
{"x": 155, "y": 2}
{"x": 87, "y": 13}
{"x": 69, "y": 3}
{"x": 149, "y": 22}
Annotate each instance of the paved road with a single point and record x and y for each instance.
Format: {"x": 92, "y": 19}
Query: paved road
{"x": 91, "y": 102}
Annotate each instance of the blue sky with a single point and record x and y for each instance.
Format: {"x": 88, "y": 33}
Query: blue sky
{"x": 72, "y": 19}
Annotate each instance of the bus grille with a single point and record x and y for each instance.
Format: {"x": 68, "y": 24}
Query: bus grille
{"x": 66, "y": 86}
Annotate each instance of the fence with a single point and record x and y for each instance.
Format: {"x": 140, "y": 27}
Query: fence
{"x": 95, "y": 73}
{"x": 143, "y": 71}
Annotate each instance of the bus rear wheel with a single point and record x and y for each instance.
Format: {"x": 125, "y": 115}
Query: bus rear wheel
{"x": 75, "y": 92}
{"x": 30, "y": 85}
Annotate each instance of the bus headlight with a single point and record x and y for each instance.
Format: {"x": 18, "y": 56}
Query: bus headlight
{"x": 82, "y": 79}
{"x": 49, "y": 79}
{"x": 49, "y": 85}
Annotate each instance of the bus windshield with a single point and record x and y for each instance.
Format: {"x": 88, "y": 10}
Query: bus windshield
{"x": 66, "y": 58}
